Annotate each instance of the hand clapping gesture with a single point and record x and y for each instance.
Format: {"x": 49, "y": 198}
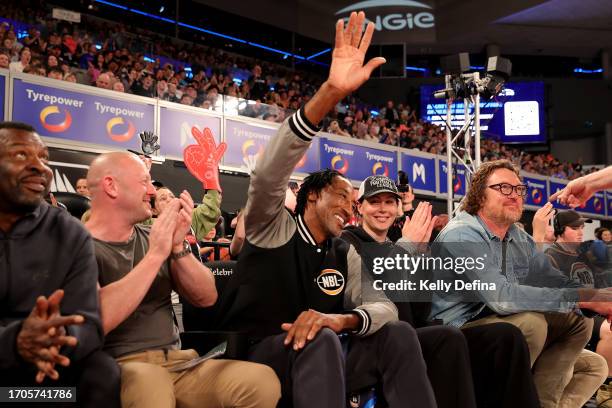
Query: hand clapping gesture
{"x": 43, "y": 334}
{"x": 418, "y": 228}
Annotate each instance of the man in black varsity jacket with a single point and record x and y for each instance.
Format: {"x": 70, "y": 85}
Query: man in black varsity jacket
{"x": 294, "y": 289}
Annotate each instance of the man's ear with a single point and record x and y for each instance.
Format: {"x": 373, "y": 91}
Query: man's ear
{"x": 311, "y": 200}
{"x": 110, "y": 187}
{"x": 313, "y": 196}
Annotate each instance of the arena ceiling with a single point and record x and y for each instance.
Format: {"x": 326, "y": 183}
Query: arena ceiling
{"x": 578, "y": 28}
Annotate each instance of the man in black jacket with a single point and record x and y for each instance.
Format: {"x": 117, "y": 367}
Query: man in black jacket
{"x": 294, "y": 289}
{"x": 50, "y": 329}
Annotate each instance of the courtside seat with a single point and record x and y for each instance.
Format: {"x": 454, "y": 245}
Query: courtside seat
{"x": 201, "y": 331}
{"x": 75, "y": 204}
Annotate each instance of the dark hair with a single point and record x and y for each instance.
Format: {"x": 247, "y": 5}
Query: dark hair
{"x": 599, "y": 232}
{"x": 54, "y": 69}
{"x": 476, "y": 193}
{"x": 315, "y": 182}
{"x": 17, "y": 126}
{"x": 293, "y": 185}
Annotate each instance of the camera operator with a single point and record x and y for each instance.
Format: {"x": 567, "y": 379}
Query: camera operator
{"x": 405, "y": 210}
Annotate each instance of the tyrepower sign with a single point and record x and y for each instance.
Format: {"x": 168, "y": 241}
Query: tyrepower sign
{"x": 396, "y": 20}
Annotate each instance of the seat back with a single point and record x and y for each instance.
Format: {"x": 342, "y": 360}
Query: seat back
{"x": 75, "y": 204}
{"x": 204, "y": 319}
{"x": 200, "y": 323}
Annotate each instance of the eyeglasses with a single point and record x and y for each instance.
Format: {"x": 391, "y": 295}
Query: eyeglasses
{"x": 507, "y": 189}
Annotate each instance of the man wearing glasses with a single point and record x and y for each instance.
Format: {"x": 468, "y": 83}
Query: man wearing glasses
{"x": 548, "y": 312}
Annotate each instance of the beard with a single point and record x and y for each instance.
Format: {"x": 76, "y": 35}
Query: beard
{"x": 506, "y": 215}
{"x": 22, "y": 202}
{"x": 28, "y": 205}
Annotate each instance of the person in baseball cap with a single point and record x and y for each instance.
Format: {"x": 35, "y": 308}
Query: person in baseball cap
{"x": 374, "y": 185}
{"x": 568, "y": 218}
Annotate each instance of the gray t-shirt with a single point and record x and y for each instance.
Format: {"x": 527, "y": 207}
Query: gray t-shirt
{"x": 151, "y": 325}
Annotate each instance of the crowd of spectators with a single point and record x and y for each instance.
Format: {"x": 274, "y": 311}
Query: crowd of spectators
{"x": 108, "y": 55}
{"x": 113, "y": 56}
{"x": 100, "y": 311}
{"x": 400, "y": 126}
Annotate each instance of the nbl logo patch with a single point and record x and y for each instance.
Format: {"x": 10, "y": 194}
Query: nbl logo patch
{"x": 330, "y": 281}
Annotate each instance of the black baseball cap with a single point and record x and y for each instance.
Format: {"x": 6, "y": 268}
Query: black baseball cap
{"x": 375, "y": 185}
{"x": 570, "y": 218}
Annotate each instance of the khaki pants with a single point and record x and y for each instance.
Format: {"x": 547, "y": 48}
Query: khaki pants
{"x": 146, "y": 382}
{"x": 565, "y": 374}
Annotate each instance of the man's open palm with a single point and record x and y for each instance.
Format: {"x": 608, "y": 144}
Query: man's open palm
{"x": 347, "y": 72}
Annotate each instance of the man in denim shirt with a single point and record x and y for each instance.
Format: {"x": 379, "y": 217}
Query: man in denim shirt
{"x": 505, "y": 255}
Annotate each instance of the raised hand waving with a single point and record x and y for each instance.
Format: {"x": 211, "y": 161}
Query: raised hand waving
{"x": 347, "y": 71}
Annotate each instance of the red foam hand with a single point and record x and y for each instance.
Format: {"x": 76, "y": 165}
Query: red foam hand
{"x": 202, "y": 160}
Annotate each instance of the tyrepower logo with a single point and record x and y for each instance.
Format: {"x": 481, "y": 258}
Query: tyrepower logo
{"x": 392, "y": 15}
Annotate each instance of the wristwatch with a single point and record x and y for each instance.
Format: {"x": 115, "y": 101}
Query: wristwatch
{"x": 186, "y": 251}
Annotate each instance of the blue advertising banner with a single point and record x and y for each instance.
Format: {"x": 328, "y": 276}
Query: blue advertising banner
{"x": 609, "y": 203}
{"x": 310, "y": 161}
{"x": 459, "y": 181}
{"x": 357, "y": 162}
{"x": 537, "y": 193}
{"x": 421, "y": 171}
{"x": 175, "y": 130}
{"x": 81, "y": 117}
{"x": 553, "y": 187}
{"x": 2, "y": 93}
{"x": 246, "y": 142}
{"x": 595, "y": 205}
